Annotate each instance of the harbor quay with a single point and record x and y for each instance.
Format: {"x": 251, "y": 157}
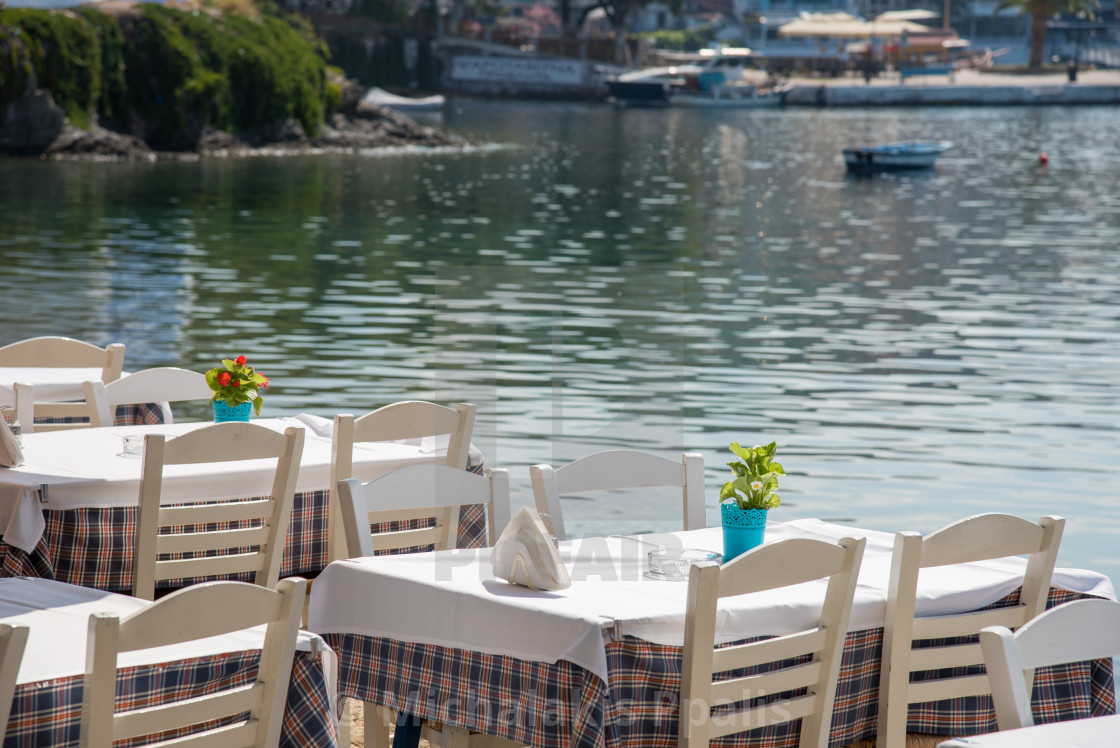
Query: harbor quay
{"x": 961, "y": 88}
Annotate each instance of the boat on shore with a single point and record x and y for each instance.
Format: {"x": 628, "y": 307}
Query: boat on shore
{"x": 709, "y": 79}
{"x": 909, "y": 154}
{"x": 380, "y": 97}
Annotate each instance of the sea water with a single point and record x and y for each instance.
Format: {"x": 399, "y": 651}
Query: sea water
{"x": 922, "y": 346}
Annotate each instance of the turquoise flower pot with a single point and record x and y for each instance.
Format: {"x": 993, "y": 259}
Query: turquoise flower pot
{"x": 742, "y": 529}
{"x": 223, "y": 412}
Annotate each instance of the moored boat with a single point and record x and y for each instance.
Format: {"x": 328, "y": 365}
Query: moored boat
{"x": 709, "y": 79}
{"x": 728, "y": 95}
{"x": 910, "y": 154}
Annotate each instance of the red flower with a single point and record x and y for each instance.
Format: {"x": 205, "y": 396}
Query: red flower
{"x": 264, "y": 384}
{"x": 235, "y": 383}
{"x": 240, "y": 361}
{"x": 223, "y": 378}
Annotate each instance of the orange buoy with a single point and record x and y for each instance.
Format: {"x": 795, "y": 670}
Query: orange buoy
{"x": 1043, "y": 159}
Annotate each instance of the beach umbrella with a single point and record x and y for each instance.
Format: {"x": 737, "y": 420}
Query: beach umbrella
{"x": 915, "y": 14}
{"x": 846, "y": 26}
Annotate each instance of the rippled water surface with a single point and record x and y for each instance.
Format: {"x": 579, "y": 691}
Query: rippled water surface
{"x": 922, "y": 347}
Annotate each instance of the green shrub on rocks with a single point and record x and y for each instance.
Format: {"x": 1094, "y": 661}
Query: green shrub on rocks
{"x": 64, "y": 57}
{"x": 165, "y": 73}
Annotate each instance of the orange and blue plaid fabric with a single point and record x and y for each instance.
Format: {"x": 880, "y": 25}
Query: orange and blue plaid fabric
{"x": 560, "y": 705}
{"x": 49, "y": 713}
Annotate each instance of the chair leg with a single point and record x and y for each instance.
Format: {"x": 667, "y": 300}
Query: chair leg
{"x": 344, "y": 723}
{"x": 377, "y": 721}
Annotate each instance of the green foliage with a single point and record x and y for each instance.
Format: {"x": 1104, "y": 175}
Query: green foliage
{"x": 236, "y": 383}
{"x": 685, "y": 40}
{"x": 64, "y": 54}
{"x": 175, "y": 70}
{"x": 756, "y": 477}
{"x": 113, "y": 102}
{"x": 15, "y": 63}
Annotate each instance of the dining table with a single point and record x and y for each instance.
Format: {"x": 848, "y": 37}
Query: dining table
{"x": 69, "y": 512}
{"x": 1098, "y": 732}
{"x": 437, "y": 636}
{"x": 47, "y": 706}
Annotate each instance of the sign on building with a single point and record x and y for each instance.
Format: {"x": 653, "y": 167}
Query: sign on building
{"x": 517, "y": 70}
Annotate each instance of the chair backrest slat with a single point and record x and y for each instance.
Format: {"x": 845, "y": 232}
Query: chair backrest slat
{"x": 419, "y": 487}
{"x": 165, "y": 384}
{"x": 56, "y": 352}
{"x": 615, "y": 470}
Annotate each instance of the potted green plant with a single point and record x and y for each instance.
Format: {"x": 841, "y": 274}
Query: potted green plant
{"x": 746, "y": 499}
{"x": 237, "y": 389}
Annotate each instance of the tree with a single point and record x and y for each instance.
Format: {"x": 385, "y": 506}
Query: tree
{"x": 1040, "y": 12}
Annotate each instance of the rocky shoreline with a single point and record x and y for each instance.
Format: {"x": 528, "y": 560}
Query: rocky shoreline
{"x": 129, "y": 81}
{"x": 37, "y": 128}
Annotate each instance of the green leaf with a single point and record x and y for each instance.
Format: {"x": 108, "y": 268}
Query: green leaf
{"x": 744, "y": 454}
{"x": 257, "y": 404}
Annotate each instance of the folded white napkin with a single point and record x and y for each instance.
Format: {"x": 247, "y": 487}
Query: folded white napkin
{"x": 10, "y": 453}
{"x": 526, "y": 555}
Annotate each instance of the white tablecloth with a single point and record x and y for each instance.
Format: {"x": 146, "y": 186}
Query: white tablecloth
{"x": 57, "y": 615}
{"x": 1098, "y": 732}
{"x": 85, "y": 468}
{"x": 451, "y": 599}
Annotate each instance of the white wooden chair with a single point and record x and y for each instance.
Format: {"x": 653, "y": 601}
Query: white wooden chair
{"x": 411, "y": 419}
{"x": 977, "y": 538}
{"x": 13, "y": 640}
{"x": 158, "y": 385}
{"x": 186, "y": 615}
{"x": 20, "y": 400}
{"x": 56, "y": 352}
{"x": 1073, "y": 632}
{"x": 415, "y": 492}
{"x": 17, "y": 403}
{"x": 619, "y": 469}
{"x": 222, "y": 442}
{"x": 767, "y": 567}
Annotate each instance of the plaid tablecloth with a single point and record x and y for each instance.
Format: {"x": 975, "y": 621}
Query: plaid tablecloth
{"x": 126, "y": 415}
{"x": 562, "y": 705}
{"x": 48, "y": 713}
{"x": 93, "y": 547}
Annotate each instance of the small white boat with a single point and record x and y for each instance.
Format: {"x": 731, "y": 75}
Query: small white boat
{"x": 380, "y": 97}
{"x": 910, "y": 154}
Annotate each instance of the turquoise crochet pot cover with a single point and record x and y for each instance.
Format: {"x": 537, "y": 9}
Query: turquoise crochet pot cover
{"x": 742, "y": 529}
{"x": 223, "y": 412}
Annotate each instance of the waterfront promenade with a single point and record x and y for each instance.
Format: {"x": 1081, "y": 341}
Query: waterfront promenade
{"x": 964, "y": 87}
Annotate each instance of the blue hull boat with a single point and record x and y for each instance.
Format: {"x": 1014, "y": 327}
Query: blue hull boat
{"x": 911, "y": 154}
